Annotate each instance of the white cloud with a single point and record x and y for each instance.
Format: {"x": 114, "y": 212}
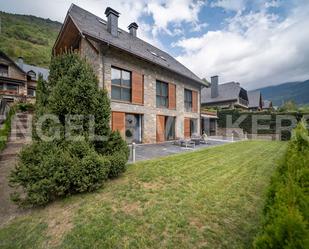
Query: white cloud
{"x": 199, "y": 26}
{"x": 272, "y": 4}
{"x": 255, "y": 49}
{"x": 231, "y": 5}
{"x": 165, "y": 12}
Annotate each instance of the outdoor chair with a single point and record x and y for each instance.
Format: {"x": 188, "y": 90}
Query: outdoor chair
{"x": 204, "y": 139}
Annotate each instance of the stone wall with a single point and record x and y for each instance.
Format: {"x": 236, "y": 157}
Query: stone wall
{"x": 108, "y": 57}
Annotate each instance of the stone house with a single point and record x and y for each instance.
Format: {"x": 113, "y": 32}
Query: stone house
{"x": 228, "y": 95}
{"x": 154, "y": 98}
{"x": 18, "y": 80}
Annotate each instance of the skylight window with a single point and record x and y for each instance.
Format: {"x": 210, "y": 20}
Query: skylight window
{"x": 153, "y": 53}
{"x": 102, "y": 21}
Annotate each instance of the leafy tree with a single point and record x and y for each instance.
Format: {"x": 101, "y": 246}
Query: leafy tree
{"x": 289, "y": 106}
{"x": 41, "y": 95}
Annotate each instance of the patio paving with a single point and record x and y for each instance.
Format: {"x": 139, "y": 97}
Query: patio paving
{"x": 151, "y": 151}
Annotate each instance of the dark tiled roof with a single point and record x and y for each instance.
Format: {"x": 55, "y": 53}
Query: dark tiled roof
{"x": 254, "y": 99}
{"x": 92, "y": 25}
{"x": 227, "y": 91}
{"x": 38, "y": 70}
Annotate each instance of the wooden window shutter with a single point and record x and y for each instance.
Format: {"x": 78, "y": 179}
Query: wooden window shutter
{"x": 118, "y": 122}
{"x": 160, "y": 128}
{"x": 171, "y": 96}
{"x": 187, "y": 127}
{"x": 137, "y": 88}
{"x": 194, "y": 101}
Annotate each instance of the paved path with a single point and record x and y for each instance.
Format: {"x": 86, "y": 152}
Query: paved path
{"x": 20, "y": 135}
{"x": 151, "y": 151}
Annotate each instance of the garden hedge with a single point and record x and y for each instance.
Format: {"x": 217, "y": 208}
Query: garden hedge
{"x": 286, "y": 212}
{"x": 246, "y": 124}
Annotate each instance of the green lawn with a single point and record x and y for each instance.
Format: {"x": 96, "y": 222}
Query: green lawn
{"x": 211, "y": 198}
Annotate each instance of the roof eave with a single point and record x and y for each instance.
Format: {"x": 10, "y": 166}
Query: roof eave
{"x": 64, "y": 25}
{"x": 218, "y": 101}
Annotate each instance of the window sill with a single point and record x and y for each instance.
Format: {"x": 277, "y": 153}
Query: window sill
{"x": 125, "y": 102}
{"x": 162, "y": 107}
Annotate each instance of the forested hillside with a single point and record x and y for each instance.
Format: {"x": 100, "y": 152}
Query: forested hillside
{"x": 28, "y": 36}
{"x": 296, "y": 91}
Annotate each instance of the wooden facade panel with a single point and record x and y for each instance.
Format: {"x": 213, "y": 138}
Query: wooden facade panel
{"x": 118, "y": 122}
{"x": 69, "y": 41}
{"x": 194, "y": 101}
{"x": 137, "y": 88}
{"x": 171, "y": 96}
{"x": 187, "y": 127}
{"x": 160, "y": 131}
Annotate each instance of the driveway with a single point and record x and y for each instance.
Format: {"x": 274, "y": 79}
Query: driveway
{"x": 151, "y": 151}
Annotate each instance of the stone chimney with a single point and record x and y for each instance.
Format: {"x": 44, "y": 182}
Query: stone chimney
{"x": 112, "y": 21}
{"x": 20, "y": 62}
{"x": 133, "y": 28}
{"x": 214, "y": 86}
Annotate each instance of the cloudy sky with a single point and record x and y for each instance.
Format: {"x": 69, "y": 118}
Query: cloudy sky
{"x": 254, "y": 42}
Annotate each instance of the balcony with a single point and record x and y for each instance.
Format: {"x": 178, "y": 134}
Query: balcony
{"x": 242, "y": 102}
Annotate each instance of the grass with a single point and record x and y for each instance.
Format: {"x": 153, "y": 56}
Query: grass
{"x": 211, "y": 198}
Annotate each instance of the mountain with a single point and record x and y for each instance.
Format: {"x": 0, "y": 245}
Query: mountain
{"x": 297, "y": 91}
{"x": 28, "y": 36}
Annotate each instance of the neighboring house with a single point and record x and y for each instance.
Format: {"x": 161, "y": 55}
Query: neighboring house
{"x": 33, "y": 73}
{"x": 224, "y": 96}
{"x": 267, "y": 105}
{"x": 255, "y": 101}
{"x": 18, "y": 80}
{"x": 154, "y": 98}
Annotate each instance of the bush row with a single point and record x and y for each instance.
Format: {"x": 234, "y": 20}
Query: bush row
{"x": 246, "y": 124}
{"x": 286, "y": 212}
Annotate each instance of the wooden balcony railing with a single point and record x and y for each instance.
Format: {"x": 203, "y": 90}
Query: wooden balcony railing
{"x": 242, "y": 102}
{"x": 9, "y": 92}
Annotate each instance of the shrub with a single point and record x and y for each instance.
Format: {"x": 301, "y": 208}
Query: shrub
{"x": 47, "y": 171}
{"x": 6, "y": 127}
{"x": 117, "y": 150}
{"x": 286, "y": 212}
{"x": 25, "y": 107}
